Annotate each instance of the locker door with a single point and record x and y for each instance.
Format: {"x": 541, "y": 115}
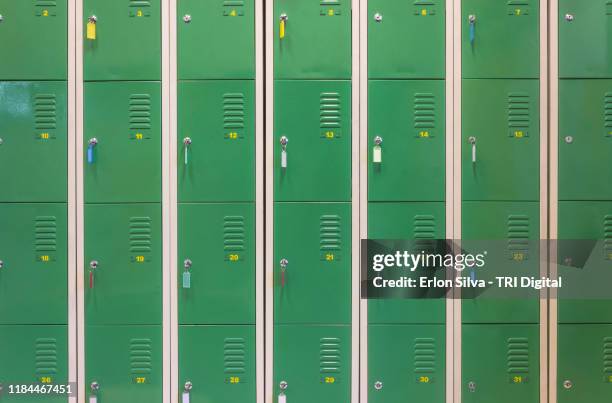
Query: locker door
{"x": 500, "y": 135}
{"x": 125, "y": 362}
{"x": 585, "y": 29}
{"x": 585, "y": 139}
{"x": 313, "y": 362}
{"x": 312, "y": 39}
{"x": 123, "y": 264}
{"x": 216, "y": 141}
{"x": 122, "y": 40}
{"x": 231, "y": 54}
{"x": 406, "y": 120}
{"x": 219, "y": 363}
{"x": 122, "y": 142}
{"x": 314, "y": 286}
{"x": 315, "y": 119}
{"x": 34, "y": 354}
{"x": 406, "y": 360}
{"x": 500, "y": 39}
{"x": 390, "y": 55}
{"x": 33, "y": 268}
{"x": 33, "y": 141}
{"x": 33, "y": 39}
{"x": 217, "y": 254}
{"x": 507, "y": 366}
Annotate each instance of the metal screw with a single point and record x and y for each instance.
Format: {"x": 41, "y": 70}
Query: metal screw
{"x": 93, "y": 19}
{"x": 187, "y": 263}
{"x": 187, "y": 141}
{"x": 284, "y": 262}
{"x": 283, "y": 385}
{"x": 95, "y": 386}
{"x": 284, "y": 140}
{"x": 378, "y": 385}
{"x": 569, "y": 139}
{"x": 378, "y": 17}
{"x": 1, "y": 264}
{"x": 187, "y": 18}
{"x": 378, "y": 140}
{"x": 472, "y": 386}
{"x": 569, "y": 17}
{"x": 284, "y": 17}
{"x": 568, "y": 261}
{"x": 188, "y": 386}
{"x": 472, "y": 18}
{"x": 567, "y": 384}
{"x": 93, "y": 141}
{"x": 93, "y": 264}
{"x": 472, "y": 140}
{"x": 1, "y": 18}
{"x": 1, "y": 140}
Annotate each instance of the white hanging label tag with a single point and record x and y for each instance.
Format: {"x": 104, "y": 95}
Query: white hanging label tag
{"x": 282, "y": 398}
{"x": 474, "y": 152}
{"x": 377, "y": 155}
{"x": 93, "y": 399}
{"x": 284, "y": 159}
{"x": 185, "y": 397}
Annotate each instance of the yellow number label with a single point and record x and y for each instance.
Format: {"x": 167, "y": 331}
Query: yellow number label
{"x": 518, "y": 11}
{"x": 141, "y": 379}
{"x": 44, "y": 136}
{"x": 140, "y": 259}
{"x": 610, "y": 378}
{"x": 424, "y": 379}
{"x": 330, "y": 379}
{"x": 45, "y": 13}
{"x": 519, "y": 134}
{"x": 518, "y": 256}
{"x": 232, "y": 135}
{"x": 138, "y": 136}
{"x": 233, "y": 13}
{"x": 46, "y": 379}
{"x": 423, "y": 12}
{"x": 234, "y": 379}
{"x": 44, "y": 258}
{"x": 234, "y": 258}
{"x": 330, "y": 135}
{"x": 424, "y": 134}
{"x": 139, "y": 13}
{"x": 329, "y": 257}
{"x": 330, "y": 12}
{"x": 610, "y": 256}
{"x": 517, "y": 379}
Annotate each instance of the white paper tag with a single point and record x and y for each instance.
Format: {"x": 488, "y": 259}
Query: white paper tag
{"x": 284, "y": 159}
{"x": 282, "y": 398}
{"x": 93, "y": 399}
{"x": 185, "y": 397}
{"x": 473, "y": 152}
{"x": 377, "y": 155}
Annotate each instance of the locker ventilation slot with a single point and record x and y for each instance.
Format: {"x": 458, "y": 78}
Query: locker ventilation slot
{"x": 424, "y": 356}
{"x": 233, "y": 3}
{"x": 519, "y": 117}
{"x": 329, "y": 355}
{"x": 518, "y": 2}
{"x": 140, "y": 3}
{"x": 330, "y": 2}
{"x": 518, "y": 355}
{"x": 330, "y": 110}
{"x": 233, "y": 110}
{"x": 46, "y": 356}
{"x": 330, "y": 233}
{"x": 424, "y": 114}
{"x": 45, "y": 112}
{"x": 140, "y": 111}
{"x": 608, "y": 236}
{"x": 424, "y": 232}
{"x": 609, "y": 7}
{"x": 424, "y": 3}
{"x": 45, "y": 228}
{"x": 233, "y": 233}
{"x": 234, "y": 356}
{"x": 141, "y": 356}
{"x": 608, "y": 113}
{"x": 518, "y": 236}
{"x": 607, "y": 347}
{"x": 45, "y": 3}
{"x": 140, "y": 234}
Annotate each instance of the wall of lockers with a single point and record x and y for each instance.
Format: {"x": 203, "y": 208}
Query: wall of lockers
{"x": 185, "y": 184}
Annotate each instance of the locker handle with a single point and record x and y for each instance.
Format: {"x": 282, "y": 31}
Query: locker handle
{"x": 472, "y": 141}
{"x": 187, "y": 276}
{"x": 186, "y": 392}
{"x": 282, "y": 398}
{"x": 283, "y": 264}
{"x": 472, "y": 20}
{"x": 91, "y": 27}
{"x": 284, "y": 140}
{"x": 91, "y": 144}
{"x": 283, "y": 23}
{"x": 1, "y": 264}
{"x": 377, "y": 151}
{"x": 93, "y": 265}
{"x": 93, "y": 397}
{"x": 186, "y": 144}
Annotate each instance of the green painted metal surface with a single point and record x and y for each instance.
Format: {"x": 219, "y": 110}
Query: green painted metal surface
{"x": 125, "y": 118}
{"x": 128, "y": 40}
{"x": 219, "y": 119}
{"x": 232, "y": 52}
{"x": 315, "y": 117}
{"x": 126, "y": 286}
{"x": 34, "y": 40}
{"x": 406, "y": 39}
{"x": 506, "y": 39}
{"x": 219, "y": 361}
{"x": 503, "y": 117}
{"x": 34, "y": 145}
{"x": 409, "y": 118}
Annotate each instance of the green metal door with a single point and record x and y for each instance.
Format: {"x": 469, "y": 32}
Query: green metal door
{"x": 406, "y": 361}
{"x": 216, "y": 276}
{"x": 34, "y": 39}
{"x": 501, "y": 363}
{"x": 34, "y": 354}
{"x": 34, "y": 263}
{"x": 314, "y": 361}
{"x": 312, "y": 39}
{"x": 219, "y": 362}
{"x": 585, "y": 139}
{"x": 585, "y": 29}
{"x": 33, "y": 141}
{"x": 232, "y": 52}
{"x": 500, "y": 39}
{"x": 122, "y": 142}
{"x": 124, "y": 41}
{"x": 315, "y": 119}
{"x": 125, "y": 362}
{"x": 406, "y": 121}
{"x": 584, "y": 370}
{"x": 123, "y": 275}
{"x": 216, "y": 144}
{"x": 314, "y": 286}
{"x": 500, "y": 140}
{"x": 391, "y": 23}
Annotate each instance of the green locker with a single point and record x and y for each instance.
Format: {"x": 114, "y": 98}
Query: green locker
{"x": 501, "y": 363}
{"x": 216, "y": 140}
{"x": 123, "y": 268}
{"x": 231, "y": 54}
{"x": 406, "y": 126}
{"x": 216, "y": 276}
{"x": 122, "y": 142}
{"x": 585, "y": 29}
{"x": 406, "y": 39}
{"x": 500, "y": 39}
{"x": 312, "y": 263}
{"x": 406, "y": 361}
{"x": 585, "y": 139}
{"x": 312, "y": 39}
{"x": 312, "y": 141}
{"x": 500, "y": 140}
{"x": 312, "y": 363}
{"x": 33, "y": 264}
{"x": 33, "y": 141}
{"x": 122, "y": 40}
{"x": 33, "y": 354}
{"x": 217, "y": 364}
{"x": 123, "y": 364}
{"x": 584, "y": 363}
{"x": 34, "y": 39}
